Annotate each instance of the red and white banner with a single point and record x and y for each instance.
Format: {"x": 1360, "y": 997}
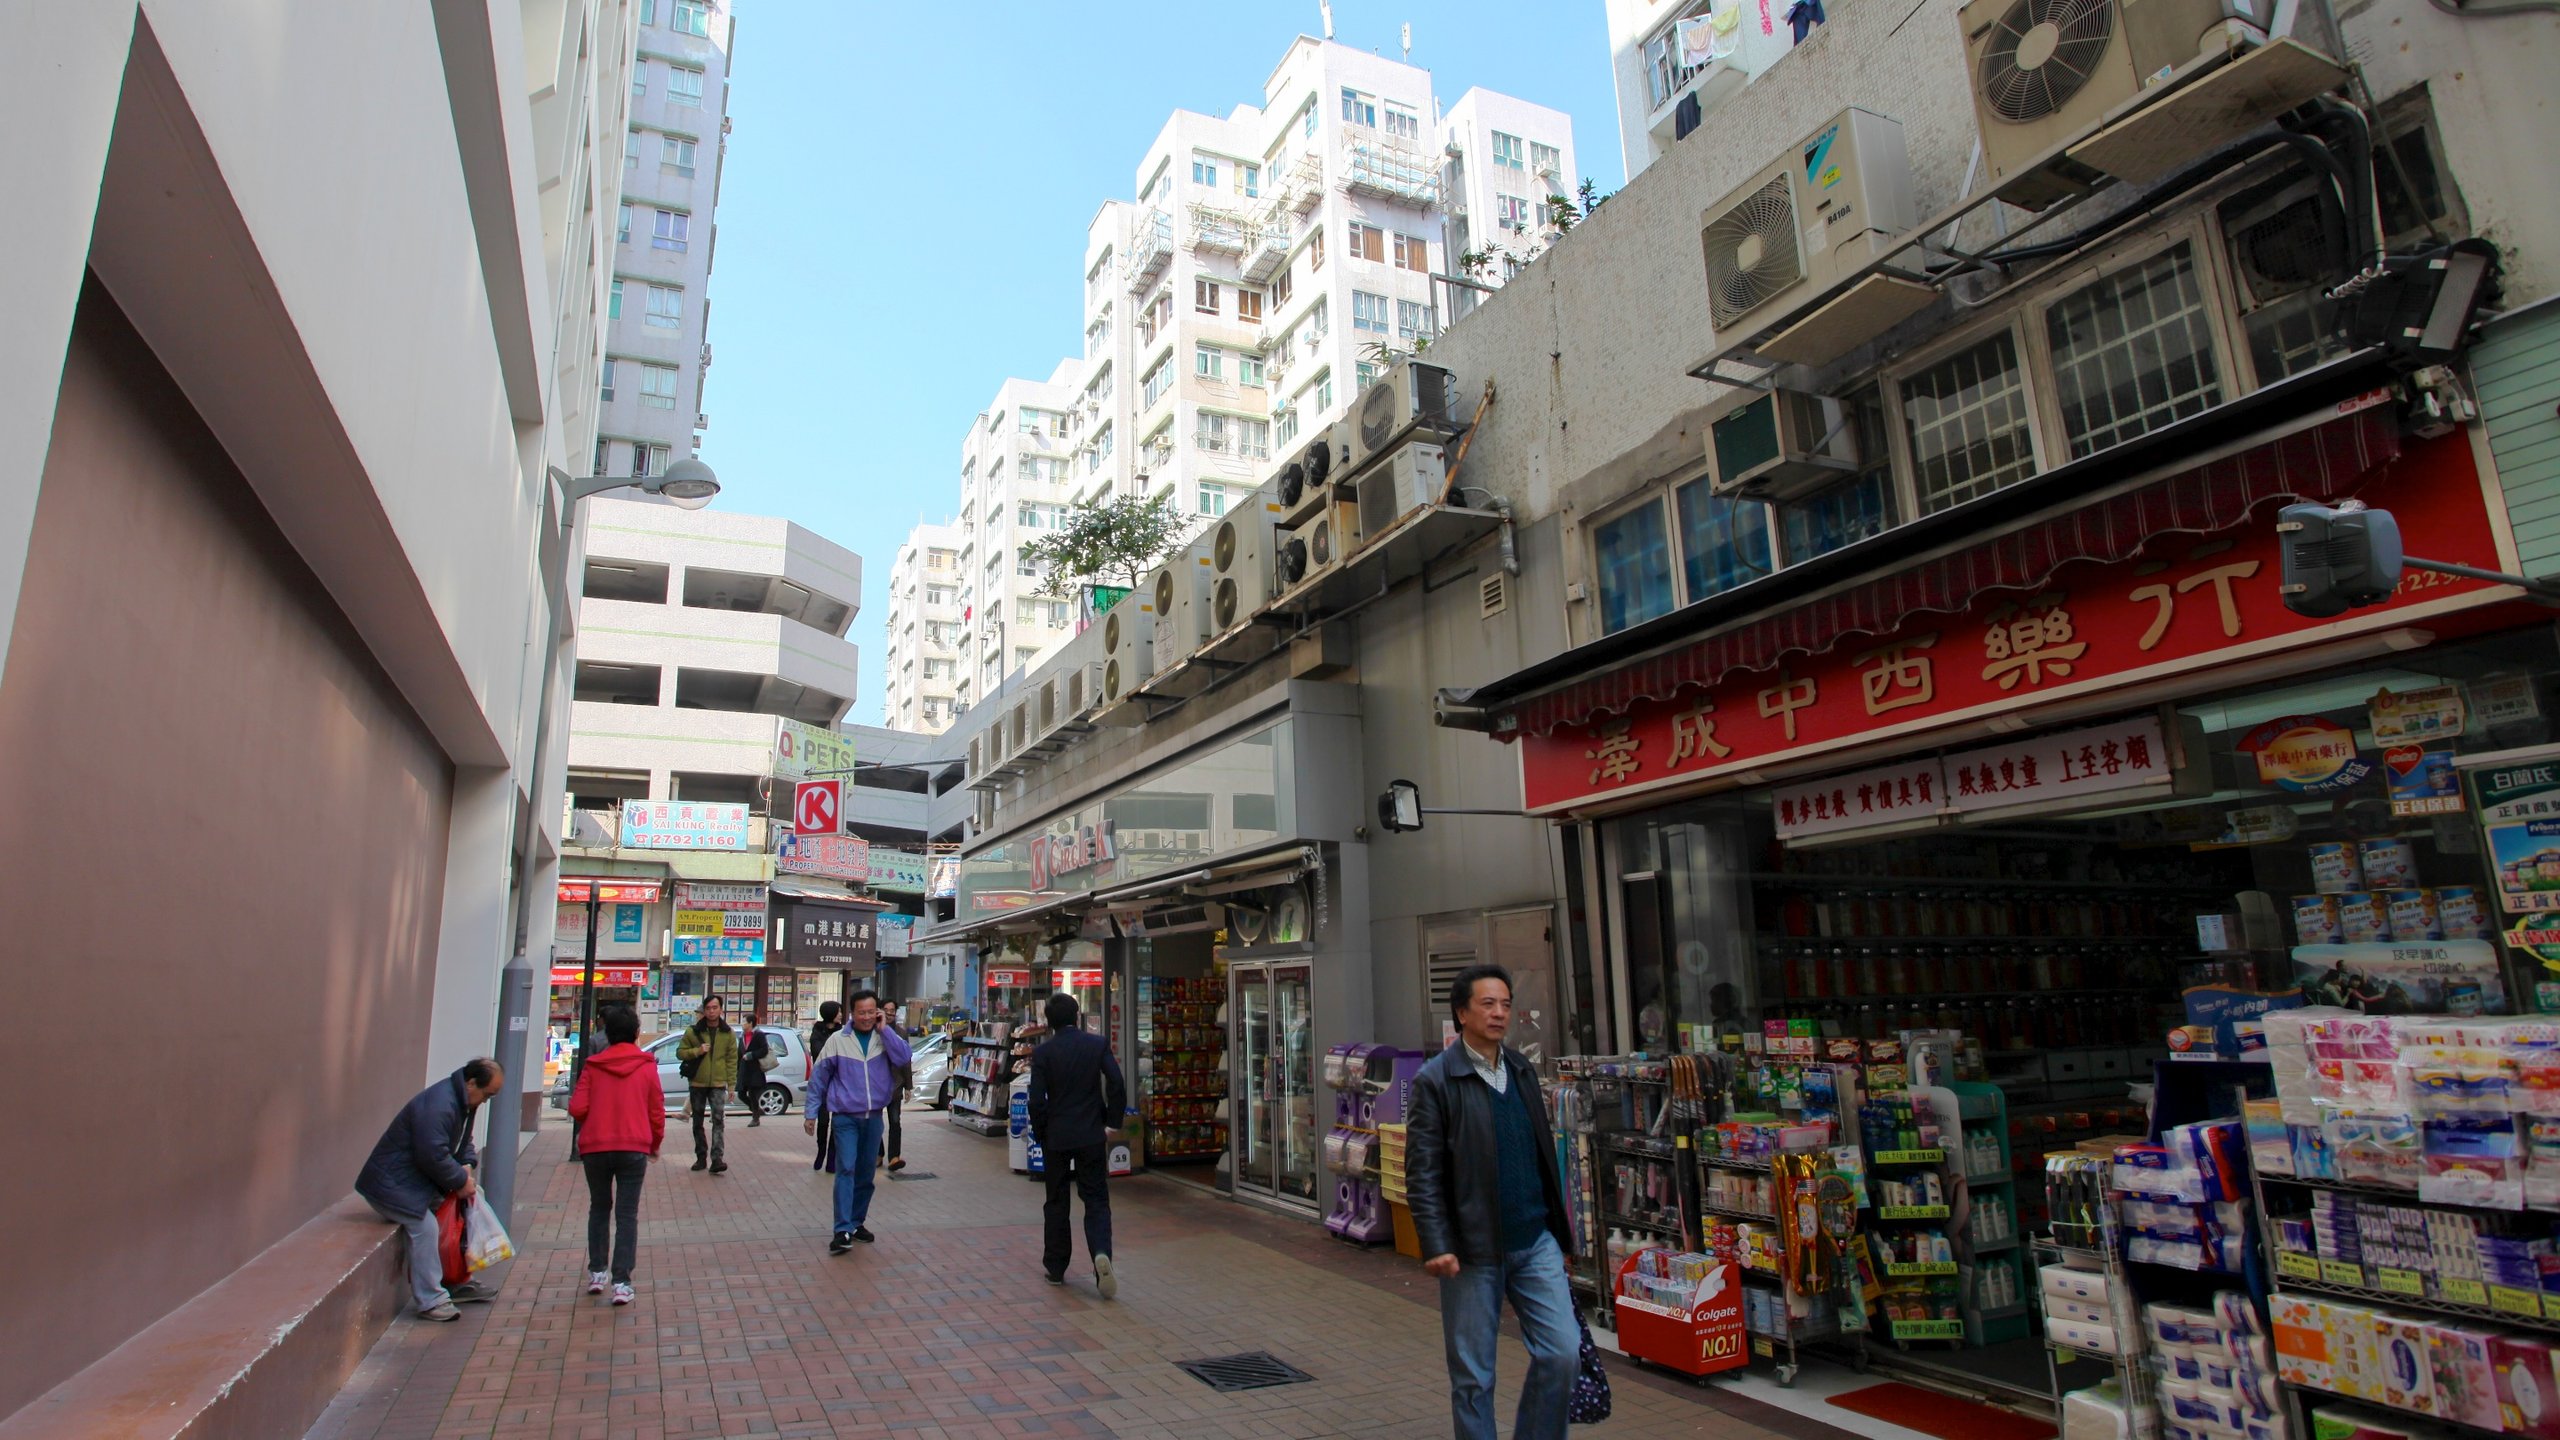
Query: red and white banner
{"x": 616, "y": 975}
{"x": 608, "y": 892}
{"x": 2189, "y": 603}
{"x": 1007, "y": 979}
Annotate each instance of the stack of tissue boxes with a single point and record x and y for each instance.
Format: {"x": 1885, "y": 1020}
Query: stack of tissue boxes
{"x": 2217, "y": 1371}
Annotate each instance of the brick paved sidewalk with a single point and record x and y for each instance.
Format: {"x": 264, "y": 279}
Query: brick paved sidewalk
{"x": 944, "y": 1329}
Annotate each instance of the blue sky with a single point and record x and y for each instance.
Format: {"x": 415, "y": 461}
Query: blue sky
{"x": 902, "y": 221}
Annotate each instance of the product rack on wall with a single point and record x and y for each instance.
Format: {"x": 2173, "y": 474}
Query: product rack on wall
{"x": 1182, "y": 1060}
{"x": 981, "y": 1077}
{"x": 1996, "y": 1300}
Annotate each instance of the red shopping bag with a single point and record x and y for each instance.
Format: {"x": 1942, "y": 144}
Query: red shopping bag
{"x": 449, "y": 1235}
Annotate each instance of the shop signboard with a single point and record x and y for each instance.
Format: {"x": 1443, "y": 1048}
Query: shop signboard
{"x": 574, "y": 976}
{"x": 1888, "y": 795}
{"x": 839, "y": 857}
{"x": 897, "y": 936}
{"x": 832, "y": 935}
{"x": 1076, "y": 979}
{"x": 1007, "y": 979}
{"x": 2183, "y": 606}
{"x": 946, "y": 877}
{"x": 2307, "y": 754}
{"x": 899, "y": 870}
{"x": 801, "y": 752}
{"x": 577, "y": 890}
{"x": 683, "y": 825}
{"x": 2434, "y": 713}
{"x": 717, "y": 909}
{"x": 2504, "y": 699}
{"x": 2519, "y": 809}
{"x": 627, "y": 920}
{"x": 719, "y": 950}
{"x": 2128, "y": 754}
{"x": 1002, "y": 900}
{"x": 817, "y": 807}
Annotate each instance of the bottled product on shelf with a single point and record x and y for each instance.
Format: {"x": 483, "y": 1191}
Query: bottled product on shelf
{"x": 1185, "y": 1045}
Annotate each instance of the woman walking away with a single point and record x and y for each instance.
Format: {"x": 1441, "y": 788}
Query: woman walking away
{"x": 752, "y": 1050}
{"x": 621, "y": 1115}
{"x": 829, "y": 1022}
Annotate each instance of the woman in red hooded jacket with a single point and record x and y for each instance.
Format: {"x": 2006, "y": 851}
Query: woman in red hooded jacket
{"x": 621, "y": 1115}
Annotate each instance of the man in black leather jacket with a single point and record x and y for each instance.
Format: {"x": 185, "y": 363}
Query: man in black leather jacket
{"x": 1488, "y": 1207}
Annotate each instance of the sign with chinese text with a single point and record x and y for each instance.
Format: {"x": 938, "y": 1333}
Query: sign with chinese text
{"x": 683, "y": 825}
{"x": 2519, "y": 809}
{"x": 841, "y": 857}
{"x": 832, "y": 935}
{"x": 1007, "y": 979}
{"x": 2505, "y": 699}
{"x": 2120, "y": 755}
{"x": 579, "y": 890}
{"x": 2187, "y": 604}
{"x": 717, "y": 909}
{"x": 574, "y": 976}
{"x": 2438, "y": 977}
{"x": 1003, "y": 900}
{"x": 2306, "y": 754}
{"x": 719, "y": 950}
{"x": 1886, "y": 795}
{"x": 699, "y": 922}
{"x": 897, "y": 935}
{"x": 801, "y": 751}
{"x": 2421, "y": 781}
{"x": 2435, "y": 713}
{"x": 1076, "y": 849}
{"x": 1076, "y": 979}
{"x": 899, "y": 870}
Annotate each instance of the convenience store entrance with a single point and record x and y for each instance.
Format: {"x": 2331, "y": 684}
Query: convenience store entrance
{"x": 1275, "y": 1082}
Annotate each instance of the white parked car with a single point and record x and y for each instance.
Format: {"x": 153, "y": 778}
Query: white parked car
{"x": 784, "y": 1084}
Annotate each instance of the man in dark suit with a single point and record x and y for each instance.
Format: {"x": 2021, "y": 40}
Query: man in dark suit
{"x": 1076, "y": 1096}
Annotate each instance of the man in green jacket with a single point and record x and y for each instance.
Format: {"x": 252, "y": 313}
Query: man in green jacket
{"x": 709, "y": 1052}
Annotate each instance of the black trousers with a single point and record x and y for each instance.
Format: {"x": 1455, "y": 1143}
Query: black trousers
{"x": 613, "y": 1195}
{"x": 826, "y": 1140}
{"x": 1088, "y": 1169}
{"x": 897, "y": 1137}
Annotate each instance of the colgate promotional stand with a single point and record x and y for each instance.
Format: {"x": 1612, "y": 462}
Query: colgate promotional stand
{"x": 1698, "y": 1336}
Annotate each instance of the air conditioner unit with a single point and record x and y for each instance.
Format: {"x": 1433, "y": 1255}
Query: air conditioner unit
{"x": 1408, "y": 397}
{"x": 2282, "y": 242}
{"x": 1309, "y": 468}
{"x": 2048, "y": 72}
{"x": 1826, "y": 206}
{"x": 1075, "y": 682}
{"x": 1179, "y": 595}
{"x": 1128, "y": 646}
{"x": 1413, "y": 477}
{"x": 1240, "y": 553}
{"x": 1318, "y": 544}
{"x": 1779, "y": 445}
{"x": 1185, "y": 920}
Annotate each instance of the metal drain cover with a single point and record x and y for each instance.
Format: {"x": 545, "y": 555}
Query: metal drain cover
{"x": 1251, "y": 1371}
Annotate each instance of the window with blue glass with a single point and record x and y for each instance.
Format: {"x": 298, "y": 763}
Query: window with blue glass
{"x": 1633, "y": 552}
{"x": 1852, "y": 510}
{"x": 1724, "y": 542}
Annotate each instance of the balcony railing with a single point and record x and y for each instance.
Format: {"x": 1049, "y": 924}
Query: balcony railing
{"x": 1268, "y": 250}
{"x": 1150, "y": 251}
{"x": 1390, "y": 168}
{"x": 1298, "y": 185}
{"x": 1222, "y": 231}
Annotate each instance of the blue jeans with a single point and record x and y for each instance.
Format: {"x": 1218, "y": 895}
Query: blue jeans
{"x": 857, "y": 1154}
{"x": 1471, "y": 1325}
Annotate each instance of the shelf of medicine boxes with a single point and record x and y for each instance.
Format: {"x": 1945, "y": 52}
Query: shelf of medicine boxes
{"x": 1981, "y": 1107}
{"x": 2427, "y": 1290}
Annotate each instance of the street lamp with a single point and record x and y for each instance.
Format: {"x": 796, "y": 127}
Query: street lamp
{"x": 688, "y": 484}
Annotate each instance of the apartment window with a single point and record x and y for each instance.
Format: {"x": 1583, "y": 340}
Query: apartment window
{"x": 1204, "y": 296}
{"x": 1209, "y": 362}
{"x": 673, "y": 230}
{"x": 1509, "y": 152}
{"x": 1368, "y": 312}
{"x": 937, "y": 559}
{"x": 1280, "y": 288}
{"x": 1414, "y": 321}
{"x": 1307, "y": 120}
{"x": 648, "y": 12}
{"x": 1204, "y": 171}
{"x": 1027, "y": 516}
{"x": 648, "y": 459}
{"x": 604, "y": 456}
{"x": 1359, "y": 109}
{"x": 623, "y": 234}
{"x": 1253, "y": 438}
{"x": 1632, "y": 554}
{"x": 1249, "y": 370}
{"x": 666, "y": 307}
{"x": 1363, "y": 375}
{"x": 1403, "y": 123}
{"x": 1248, "y": 306}
{"x": 1853, "y": 509}
{"x": 2133, "y": 352}
{"x": 613, "y": 304}
{"x": 1100, "y": 452}
{"x": 658, "y": 386}
{"x": 1023, "y": 655}
{"x": 676, "y": 153}
{"x": 1315, "y": 249}
{"x": 1024, "y": 565}
{"x": 1213, "y": 500}
{"x": 1158, "y": 381}
{"x": 1319, "y": 320}
{"x": 1210, "y": 433}
{"x": 1249, "y": 179}
{"x": 1413, "y": 253}
{"x": 940, "y": 594}
{"x": 1028, "y": 421}
{"x": 684, "y": 86}
{"x": 631, "y": 150}
{"x": 1515, "y": 211}
{"x": 1723, "y": 542}
{"x": 1284, "y": 424}
{"x": 692, "y": 17}
{"x": 606, "y": 391}
{"x": 639, "y": 81}
{"x": 1324, "y": 391}
{"x": 1368, "y": 242}
{"x": 1966, "y": 420}
{"x": 939, "y": 669}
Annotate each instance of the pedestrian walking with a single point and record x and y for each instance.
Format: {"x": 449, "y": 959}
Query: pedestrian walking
{"x": 905, "y": 1076}
{"x": 1077, "y": 1097}
{"x": 1488, "y": 1208}
{"x": 621, "y": 1115}
{"x": 425, "y": 1155}
{"x": 853, "y": 1082}
{"x": 707, "y": 1057}
{"x": 752, "y": 1050}
{"x": 819, "y": 1035}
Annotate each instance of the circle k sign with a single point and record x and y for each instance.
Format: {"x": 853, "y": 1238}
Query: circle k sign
{"x": 817, "y": 807}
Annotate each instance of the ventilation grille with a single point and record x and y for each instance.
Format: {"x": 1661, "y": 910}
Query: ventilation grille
{"x": 2041, "y": 53}
{"x": 1252, "y": 1371}
{"x": 1752, "y": 253}
{"x": 1493, "y": 595}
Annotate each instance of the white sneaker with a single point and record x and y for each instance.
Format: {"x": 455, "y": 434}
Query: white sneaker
{"x": 597, "y": 1281}
{"x": 1103, "y": 1279}
{"x": 621, "y": 1294}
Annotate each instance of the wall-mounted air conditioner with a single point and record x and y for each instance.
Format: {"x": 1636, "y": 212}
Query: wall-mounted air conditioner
{"x": 1128, "y": 646}
{"x": 1179, "y": 593}
{"x": 1409, "y": 397}
{"x": 1184, "y": 920}
{"x": 1827, "y": 205}
{"x": 1415, "y": 476}
{"x": 1240, "y": 554}
{"x": 1780, "y": 444}
{"x": 1318, "y": 544}
{"x": 1309, "y": 468}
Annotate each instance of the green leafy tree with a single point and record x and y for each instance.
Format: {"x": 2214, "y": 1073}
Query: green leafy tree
{"x": 1113, "y": 543}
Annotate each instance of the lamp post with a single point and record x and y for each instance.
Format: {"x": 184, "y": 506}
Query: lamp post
{"x": 689, "y": 484}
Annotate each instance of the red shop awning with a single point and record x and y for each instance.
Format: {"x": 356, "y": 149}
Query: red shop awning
{"x": 2324, "y": 462}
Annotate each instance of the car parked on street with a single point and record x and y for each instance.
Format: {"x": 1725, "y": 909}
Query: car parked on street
{"x": 784, "y": 1084}
{"x": 932, "y": 1067}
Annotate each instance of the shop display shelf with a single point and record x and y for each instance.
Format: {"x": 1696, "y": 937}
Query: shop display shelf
{"x": 1994, "y": 1247}
{"x": 1766, "y": 1277}
{"x": 1736, "y": 1213}
{"x": 2546, "y": 1321}
{"x": 1900, "y": 1214}
{"x": 1931, "y": 1156}
{"x": 2314, "y": 1394}
{"x": 1760, "y": 1166}
{"x": 1634, "y": 1144}
{"x": 1629, "y": 1222}
{"x": 1996, "y": 882}
{"x": 984, "y": 1041}
{"x": 2002, "y": 1312}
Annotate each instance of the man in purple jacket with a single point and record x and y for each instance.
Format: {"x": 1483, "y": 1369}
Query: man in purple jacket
{"x": 855, "y": 1082}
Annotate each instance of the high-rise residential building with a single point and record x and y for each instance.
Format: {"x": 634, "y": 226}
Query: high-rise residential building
{"x": 1267, "y": 267}
{"x": 925, "y": 639}
{"x": 657, "y": 345}
{"x": 1678, "y": 61}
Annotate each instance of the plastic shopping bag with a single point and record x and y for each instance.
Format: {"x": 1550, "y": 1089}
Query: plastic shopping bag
{"x": 485, "y": 1241}
{"x": 449, "y": 1227}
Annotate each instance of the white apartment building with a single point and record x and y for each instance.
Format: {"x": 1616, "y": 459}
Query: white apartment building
{"x": 1505, "y": 158}
{"x": 925, "y": 643}
{"x": 1015, "y": 483}
{"x": 657, "y": 346}
{"x": 695, "y": 630}
{"x": 1664, "y": 55}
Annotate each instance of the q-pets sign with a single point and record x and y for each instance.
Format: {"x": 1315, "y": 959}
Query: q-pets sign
{"x": 1056, "y": 855}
